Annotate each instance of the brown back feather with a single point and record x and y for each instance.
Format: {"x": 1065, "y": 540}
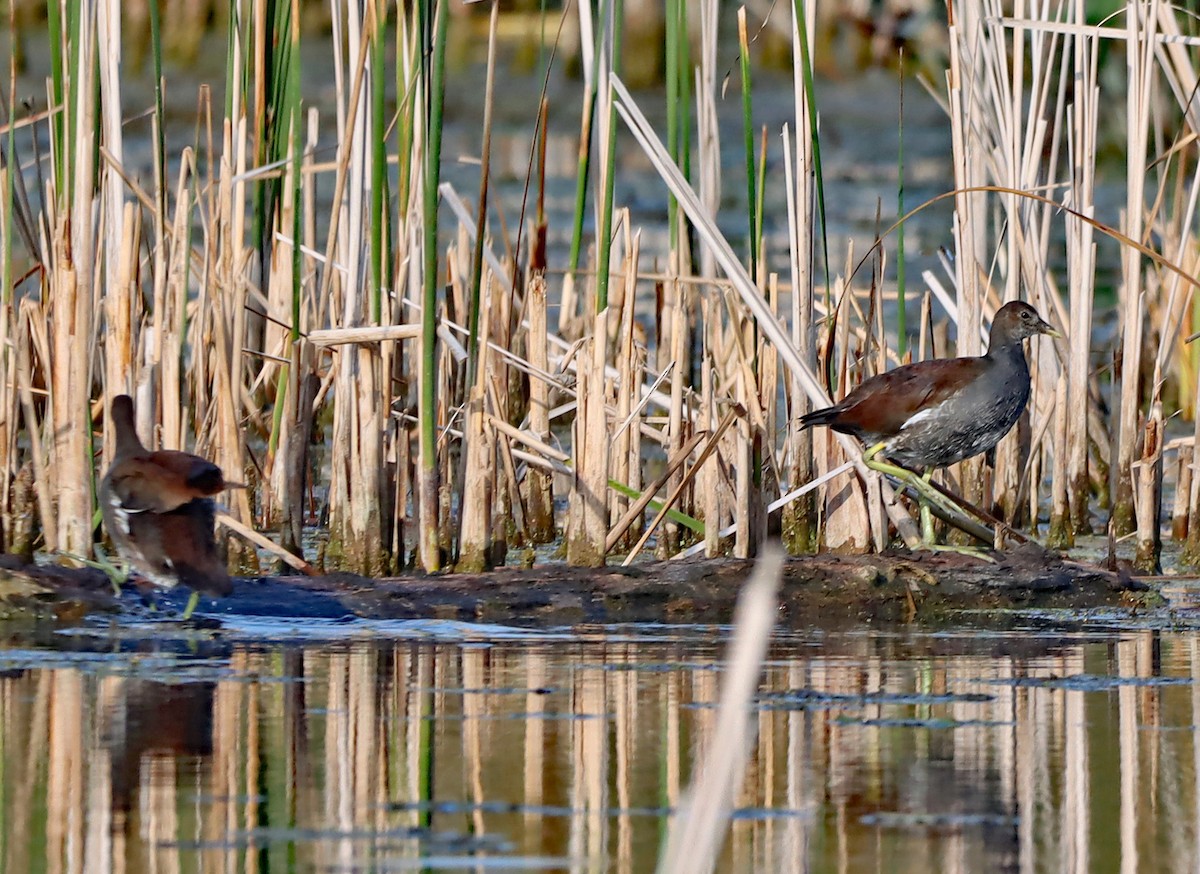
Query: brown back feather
{"x": 883, "y": 403}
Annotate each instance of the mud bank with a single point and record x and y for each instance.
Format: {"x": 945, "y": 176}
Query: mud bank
{"x": 889, "y": 586}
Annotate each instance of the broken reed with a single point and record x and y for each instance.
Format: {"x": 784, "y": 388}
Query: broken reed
{"x": 458, "y": 411}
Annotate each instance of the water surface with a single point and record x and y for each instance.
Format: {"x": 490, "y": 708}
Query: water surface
{"x": 347, "y": 747}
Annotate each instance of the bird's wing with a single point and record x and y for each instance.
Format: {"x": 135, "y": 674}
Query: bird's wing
{"x": 198, "y": 475}
{"x": 145, "y": 484}
{"x": 883, "y": 404}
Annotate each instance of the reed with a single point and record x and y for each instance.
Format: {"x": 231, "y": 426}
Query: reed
{"x": 434, "y": 47}
{"x": 260, "y": 295}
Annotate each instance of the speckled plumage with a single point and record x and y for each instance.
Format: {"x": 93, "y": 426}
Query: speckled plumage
{"x": 935, "y": 413}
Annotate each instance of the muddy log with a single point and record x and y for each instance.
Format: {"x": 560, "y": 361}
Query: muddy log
{"x": 879, "y": 587}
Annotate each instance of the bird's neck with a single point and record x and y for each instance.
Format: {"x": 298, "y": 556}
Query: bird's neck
{"x": 1008, "y": 351}
{"x": 127, "y": 439}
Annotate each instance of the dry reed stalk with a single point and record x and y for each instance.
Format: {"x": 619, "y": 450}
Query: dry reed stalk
{"x": 1081, "y": 260}
{"x": 708, "y": 481}
{"x": 282, "y": 553}
{"x": 119, "y": 302}
{"x": 637, "y": 374}
{"x": 1061, "y": 534}
{"x": 539, "y": 494}
{"x": 527, "y": 439}
{"x": 1139, "y": 67}
{"x": 744, "y": 492}
{"x": 1183, "y": 490}
{"x": 767, "y": 399}
{"x": 118, "y": 264}
{"x": 277, "y": 334}
{"x": 9, "y": 396}
{"x": 754, "y": 454}
{"x": 925, "y": 340}
{"x": 70, "y": 288}
{"x": 695, "y": 837}
{"x": 479, "y": 461}
{"x": 678, "y": 327}
{"x": 623, "y": 464}
{"x": 800, "y": 523}
{"x": 225, "y": 434}
{"x": 967, "y": 97}
{"x": 1147, "y": 474}
{"x": 171, "y": 312}
{"x": 587, "y": 521}
{"x": 847, "y": 517}
{"x": 366, "y": 335}
{"x": 570, "y": 324}
{"x": 42, "y": 480}
{"x": 509, "y": 518}
{"x": 708, "y": 145}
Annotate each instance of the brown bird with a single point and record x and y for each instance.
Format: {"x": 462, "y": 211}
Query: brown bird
{"x": 931, "y": 414}
{"x": 158, "y": 511}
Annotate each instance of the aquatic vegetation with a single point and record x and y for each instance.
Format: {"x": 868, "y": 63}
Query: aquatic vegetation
{"x": 302, "y": 294}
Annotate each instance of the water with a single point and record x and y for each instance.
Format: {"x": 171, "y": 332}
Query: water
{"x": 450, "y": 747}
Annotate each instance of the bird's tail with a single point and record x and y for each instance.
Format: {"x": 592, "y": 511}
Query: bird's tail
{"x": 818, "y": 417}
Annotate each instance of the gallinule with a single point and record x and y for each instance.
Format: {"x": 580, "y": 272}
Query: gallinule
{"x": 158, "y": 511}
{"x": 931, "y": 414}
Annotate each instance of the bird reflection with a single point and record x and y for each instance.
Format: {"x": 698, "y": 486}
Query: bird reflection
{"x": 148, "y": 720}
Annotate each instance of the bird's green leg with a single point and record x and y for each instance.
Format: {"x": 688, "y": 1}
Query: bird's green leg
{"x": 191, "y": 605}
{"x": 926, "y": 495}
{"x": 924, "y": 490}
{"x": 927, "y": 533}
{"x": 116, "y": 575}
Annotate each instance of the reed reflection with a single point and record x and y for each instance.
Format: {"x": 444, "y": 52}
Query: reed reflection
{"x": 955, "y": 753}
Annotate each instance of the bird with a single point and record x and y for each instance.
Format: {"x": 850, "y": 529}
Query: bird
{"x": 158, "y": 510}
{"x": 931, "y": 414}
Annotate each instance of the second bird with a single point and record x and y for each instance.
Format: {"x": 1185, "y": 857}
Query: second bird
{"x": 158, "y": 510}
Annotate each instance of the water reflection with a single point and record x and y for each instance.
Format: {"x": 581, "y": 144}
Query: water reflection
{"x": 972, "y": 751}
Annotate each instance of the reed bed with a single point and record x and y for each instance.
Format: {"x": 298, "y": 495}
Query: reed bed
{"x": 258, "y": 296}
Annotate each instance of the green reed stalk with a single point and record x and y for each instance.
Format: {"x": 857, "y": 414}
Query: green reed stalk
{"x": 233, "y": 35}
{"x": 809, "y": 91}
{"x": 65, "y": 182}
{"x": 427, "y": 400}
{"x": 481, "y": 219}
{"x": 683, "y": 154}
{"x": 379, "y": 170}
{"x": 604, "y": 243}
{"x": 58, "y": 47}
{"x": 761, "y": 184}
{"x": 160, "y": 145}
{"x": 674, "y": 108}
{"x": 406, "y": 78}
{"x": 7, "y": 184}
{"x": 277, "y": 137}
{"x": 291, "y": 123}
{"x": 584, "y": 167}
{"x": 748, "y": 141}
{"x": 901, "y": 308}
